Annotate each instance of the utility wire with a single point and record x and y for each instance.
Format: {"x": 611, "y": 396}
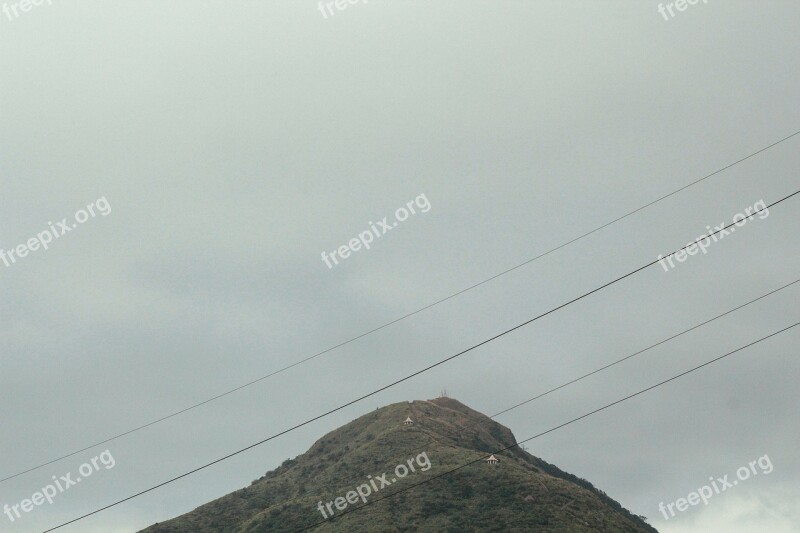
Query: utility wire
{"x": 422, "y": 449}
{"x": 387, "y": 324}
{"x": 641, "y": 351}
{"x": 484, "y": 457}
{"x": 406, "y": 378}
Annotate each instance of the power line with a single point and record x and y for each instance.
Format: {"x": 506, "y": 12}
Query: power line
{"x": 641, "y": 351}
{"x": 419, "y": 450}
{"x": 406, "y": 378}
{"x": 642, "y": 391}
{"x": 387, "y": 324}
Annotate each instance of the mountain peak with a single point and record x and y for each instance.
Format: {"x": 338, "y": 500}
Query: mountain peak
{"x": 426, "y": 443}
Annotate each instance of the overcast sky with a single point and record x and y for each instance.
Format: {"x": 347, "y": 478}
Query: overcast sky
{"x": 236, "y": 141}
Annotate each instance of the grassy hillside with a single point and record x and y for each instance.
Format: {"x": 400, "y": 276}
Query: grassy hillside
{"x": 521, "y": 493}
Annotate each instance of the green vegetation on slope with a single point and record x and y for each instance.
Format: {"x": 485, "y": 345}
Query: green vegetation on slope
{"x": 521, "y": 493}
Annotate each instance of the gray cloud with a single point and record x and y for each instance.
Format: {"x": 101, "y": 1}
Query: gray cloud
{"x": 235, "y": 143}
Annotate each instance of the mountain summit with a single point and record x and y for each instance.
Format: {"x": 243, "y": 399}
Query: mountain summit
{"x": 391, "y": 450}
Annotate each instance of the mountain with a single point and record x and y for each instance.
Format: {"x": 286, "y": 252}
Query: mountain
{"x": 519, "y": 493}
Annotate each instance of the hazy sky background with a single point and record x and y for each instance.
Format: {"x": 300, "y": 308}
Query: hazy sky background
{"x": 237, "y": 141}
